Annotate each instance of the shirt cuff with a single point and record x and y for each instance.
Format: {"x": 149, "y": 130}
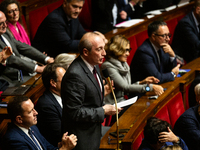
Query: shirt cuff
{"x": 173, "y": 74}
{"x": 172, "y": 58}
{"x": 46, "y": 59}
{"x": 35, "y": 68}
{"x": 4, "y": 63}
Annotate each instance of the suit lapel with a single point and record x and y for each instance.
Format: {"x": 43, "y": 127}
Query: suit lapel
{"x": 25, "y": 136}
{"x": 58, "y": 107}
{"x": 92, "y": 78}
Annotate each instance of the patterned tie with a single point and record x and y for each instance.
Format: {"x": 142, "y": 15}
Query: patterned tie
{"x": 30, "y": 132}
{"x": 95, "y": 75}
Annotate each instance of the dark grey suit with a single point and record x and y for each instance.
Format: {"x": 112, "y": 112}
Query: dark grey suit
{"x": 82, "y": 105}
{"x": 14, "y": 61}
{"x": 49, "y": 117}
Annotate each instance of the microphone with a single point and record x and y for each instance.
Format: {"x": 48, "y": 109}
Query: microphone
{"x": 106, "y": 75}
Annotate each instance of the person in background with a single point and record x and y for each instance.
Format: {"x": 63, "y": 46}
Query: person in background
{"x": 12, "y": 11}
{"x": 186, "y": 39}
{"x": 158, "y": 134}
{"x": 23, "y": 134}
{"x": 65, "y": 59}
{"x": 61, "y": 31}
{"x": 187, "y": 127}
{"x": 117, "y": 49}
{"x": 49, "y": 105}
{"x": 155, "y": 57}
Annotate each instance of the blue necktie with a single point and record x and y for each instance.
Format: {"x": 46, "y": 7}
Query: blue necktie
{"x": 30, "y": 132}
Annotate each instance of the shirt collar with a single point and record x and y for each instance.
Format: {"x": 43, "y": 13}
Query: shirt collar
{"x": 90, "y": 67}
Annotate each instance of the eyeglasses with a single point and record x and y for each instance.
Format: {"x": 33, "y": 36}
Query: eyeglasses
{"x": 128, "y": 49}
{"x": 13, "y": 10}
{"x": 164, "y": 35}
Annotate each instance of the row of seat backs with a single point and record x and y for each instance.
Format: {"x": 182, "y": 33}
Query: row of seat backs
{"x": 170, "y": 112}
{"x": 37, "y": 16}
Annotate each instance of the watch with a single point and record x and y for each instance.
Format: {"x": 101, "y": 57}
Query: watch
{"x": 147, "y": 88}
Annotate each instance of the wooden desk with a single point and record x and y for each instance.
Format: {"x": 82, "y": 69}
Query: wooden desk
{"x": 165, "y": 16}
{"x": 136, "y": 116}
{"x": 34, "y": 93}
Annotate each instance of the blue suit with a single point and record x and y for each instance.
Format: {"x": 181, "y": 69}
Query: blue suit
{"x": 186, "y": 40}
{"x": 188, "y": 128}
{"x": 49, "y": 117}
{"x": 145, "y": 63}
{"x": 16, "y": 139}
{"x": 55, "y": 35}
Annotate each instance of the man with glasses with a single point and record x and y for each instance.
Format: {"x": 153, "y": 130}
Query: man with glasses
{"x": 155, "y": 57}
{"x": 186, "y": 40}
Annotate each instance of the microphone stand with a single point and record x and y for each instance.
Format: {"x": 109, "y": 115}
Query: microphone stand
{"x": 117, "y": 125}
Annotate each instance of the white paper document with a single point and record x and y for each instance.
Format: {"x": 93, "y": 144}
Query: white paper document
{"x": 183, "y": 2}
{"x": 170, "y": 8}
{"x": 129, "y": 23}
{"x": 154, "y": 12}
{"x": 127, "y": 102}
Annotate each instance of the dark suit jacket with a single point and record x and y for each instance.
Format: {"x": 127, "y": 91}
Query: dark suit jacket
{"x": 188, "y": 128}
{"x": 16, "y": 139}
{"x": 82, "y": 105}
{"x": 49, "y": 117}
{"x": 15, "y": 61}
{"x": 102, "y": 17}
{"x": 186, "y": 41}
{"x": 145, "y": 63}
{"x": 55, "y": 35}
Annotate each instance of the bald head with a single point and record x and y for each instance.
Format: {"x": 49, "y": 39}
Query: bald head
{"x": 3, "y": 24}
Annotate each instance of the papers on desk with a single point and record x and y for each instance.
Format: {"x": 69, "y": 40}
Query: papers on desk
{"x": 182, "y": 72}
{"x": 170, "y": 8}
{"x": 127, "y": 102}
{"x": 154, "y": 12}
{"x": 183, "y": 2}
{"x": 129, "y": 23}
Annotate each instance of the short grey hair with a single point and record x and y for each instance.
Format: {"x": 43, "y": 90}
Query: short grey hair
{"x": 65, "y": 59}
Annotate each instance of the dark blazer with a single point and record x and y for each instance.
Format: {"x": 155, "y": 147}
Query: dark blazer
{"x": 186, "y": 41}
{"x": 82, "y": 105}
{"x": 188, "y": 127}
{"x": 145, "y": 63}
{"x": 16, "y": 139}
{"x": 102, "y": 17}
{"x": 15, "y": 61}
{"x": 49, "y": 117}
{"x": 55, "y": 35}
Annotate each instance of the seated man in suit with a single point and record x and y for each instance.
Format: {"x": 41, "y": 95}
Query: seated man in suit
{"x": 10, "y": 68}
{"x": 155, "y": 57}
{"x": 49, "y": 105}
{"x": 60, "y": 31}
{"x": 23, "y": 134}
{"x": 188, "y": 127}
{"x": 158, "y": 134}
{"x": 186, "y": 40}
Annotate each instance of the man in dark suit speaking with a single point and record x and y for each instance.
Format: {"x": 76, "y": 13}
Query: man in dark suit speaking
{"x": 155, "y": 57}
{"x": 82, "y": 93}
{"x": 61, "y": 31}
{"x": 22, "y": 134}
